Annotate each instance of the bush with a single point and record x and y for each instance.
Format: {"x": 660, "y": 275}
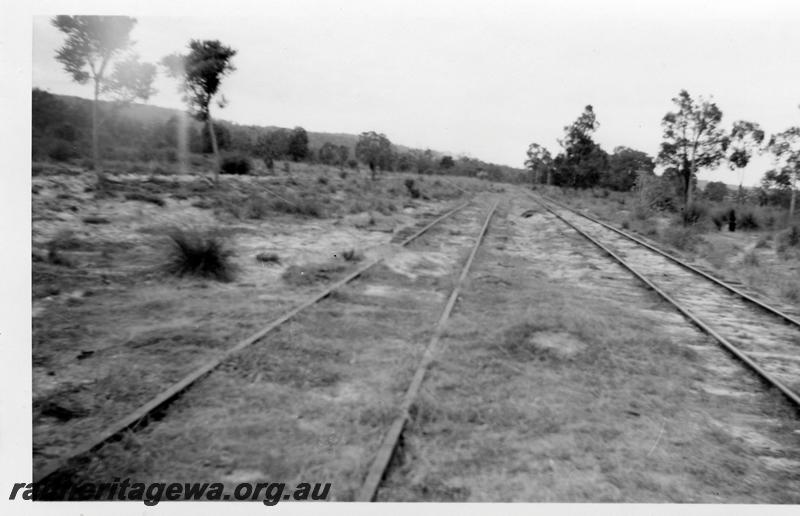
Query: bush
{"x": 751, "y": 259}
{"x": 720, "y": 217}
{"x": 694, "y": 213}
{"x": 63, "y": 151}
{"x": 307, "y": 207}
{"x": 351, "y": 255}
{"x": 198, "y": 254}
{"x": 268, "y": 258}
{"x": 682, "y": 238}
{"x": 748, "y": 221}
{"x": 641, "y": 212}
{"x": 790, "y": 237}
{"x": 238, "y": 165}
{"x": 413, "y": 191}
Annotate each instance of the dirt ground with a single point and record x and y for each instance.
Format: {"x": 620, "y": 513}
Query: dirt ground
{"x": 582, "y": 386}
{"x": 111, "y": 328}
{"x": 560, "y": 378}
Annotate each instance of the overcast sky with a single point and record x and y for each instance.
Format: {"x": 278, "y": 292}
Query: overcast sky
{"x": 482, "y": 78}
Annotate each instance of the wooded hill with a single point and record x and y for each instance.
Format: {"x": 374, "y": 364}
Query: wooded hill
{"x": 141, "y": 132}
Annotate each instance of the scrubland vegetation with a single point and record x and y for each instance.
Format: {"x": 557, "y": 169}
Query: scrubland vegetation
{"x": 747, "y": 233}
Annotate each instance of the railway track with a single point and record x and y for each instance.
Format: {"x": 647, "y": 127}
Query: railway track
{"x": 55, "y": 469}
{"x": 763, "y": 338}
{"x": 383, "y": 457}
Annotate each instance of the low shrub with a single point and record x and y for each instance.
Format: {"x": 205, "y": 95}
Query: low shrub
{"x": 720, "y": 217}
{"x": 63, "y": 151}
{"x": 145, "y": 197}
{"x": 268, "y": 258}
{"x": 694, "y": 213}
{"x": 306, "y": 207}
{"x": 413, "y": 191}
{"x": 683, "y": 238}
{"x": 351, "y": 255}
{"x": 751, "y": 259}
{"x": 641, "y": 212}
{"x": 790, "y": 237}
{"x": 200, "y": 254}
{"x": 748, "y": 221}
{"x": 235, "y": 164}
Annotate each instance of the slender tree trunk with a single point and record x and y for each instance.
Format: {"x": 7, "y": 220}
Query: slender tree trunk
{"x": 95, "y": 143}
{"x": 214, "y": 147}
{"x": 794, "y": 198}
{"x": 689, "y": 189}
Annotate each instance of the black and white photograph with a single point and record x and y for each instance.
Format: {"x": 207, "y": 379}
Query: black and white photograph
{"x": 283, "y": 253}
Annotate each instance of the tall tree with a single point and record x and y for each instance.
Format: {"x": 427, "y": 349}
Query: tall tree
{"x": 582, "y": 161}
{"x": 201, "y": 72}
{"x": 93, "y": 43}
{"x": 625, "y": 166}
{"x": 298, "y": 144}
{"x": 746, "y": 139}
{"x": 785, "y": 146}
{"x": 540, "y": 163}
{"x": 375, "y": 150}
{"x": 716, "y": 191}
{"x": 328, "y": 154}
{"x": 692, "y": 139}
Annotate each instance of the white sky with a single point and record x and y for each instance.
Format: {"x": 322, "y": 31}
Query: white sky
{"x": 482, "y": 78}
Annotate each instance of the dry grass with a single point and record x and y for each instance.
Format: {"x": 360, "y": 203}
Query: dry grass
{"x": 769, "y": 270}
{"x": 580, "y": 389}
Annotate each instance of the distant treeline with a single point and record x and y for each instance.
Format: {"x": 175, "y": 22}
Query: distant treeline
{"x": 583, "y": 163}
{"x": 135, "y": 132}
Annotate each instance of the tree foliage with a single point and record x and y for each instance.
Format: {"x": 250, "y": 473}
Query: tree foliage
{"x": 201, "y": 72}
{"x": 785, "y": 146}
{"x": 298, "y": 144}
{"x": 582, "y": 160}
{"x": 692, "y": 139}
{"x": 625, "y": 165}
{"x": 92, "y": 44}
{"x": 375, "y": 150}
{"x": 716, "y": 191}
{"x": 539, "y": 162}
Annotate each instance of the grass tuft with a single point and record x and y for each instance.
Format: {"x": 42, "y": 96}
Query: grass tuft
{"x": 268, "y": 258}
{"x": 200, "y": 254}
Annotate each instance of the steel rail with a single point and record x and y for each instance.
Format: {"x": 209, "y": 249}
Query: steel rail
{"x": 167, "y": 395}
{"x": 377, "y": 470}
{"x": 786, "y": 391}
{"x": 744, "y": 295}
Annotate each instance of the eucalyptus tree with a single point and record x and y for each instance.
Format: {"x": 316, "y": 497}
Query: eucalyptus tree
{"x": 92, "y": 45}
{"x": 746, "y": 139}
{"x": 693, "y": 139}
{"x": 785, "y": 146}
{"x": 540, "y": 163}
{"x": 201, "y": 72}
